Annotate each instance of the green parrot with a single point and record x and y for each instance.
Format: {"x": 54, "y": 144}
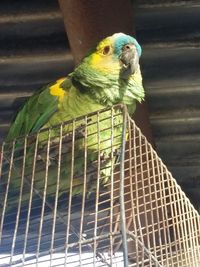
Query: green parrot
{"x": 107, "y": 76}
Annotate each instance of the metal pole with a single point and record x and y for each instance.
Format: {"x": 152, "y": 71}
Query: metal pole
{"x": 121, "y": 197}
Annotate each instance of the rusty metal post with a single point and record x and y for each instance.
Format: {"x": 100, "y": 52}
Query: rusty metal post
{"x": 88, "y": 21}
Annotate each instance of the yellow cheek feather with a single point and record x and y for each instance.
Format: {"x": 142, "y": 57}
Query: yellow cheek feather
{"x": 56, "y": 90}
{"x": 104, "y": 63}
{"x": 96, "y": 59}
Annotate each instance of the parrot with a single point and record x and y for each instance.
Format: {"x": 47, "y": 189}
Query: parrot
{"x": 107, "y": 77}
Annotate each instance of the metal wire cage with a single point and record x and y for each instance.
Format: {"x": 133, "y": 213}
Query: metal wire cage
{"x": 93, "y": 192}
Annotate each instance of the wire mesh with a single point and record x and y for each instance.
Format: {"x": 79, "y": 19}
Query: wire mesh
{"x": 62, "y": 202}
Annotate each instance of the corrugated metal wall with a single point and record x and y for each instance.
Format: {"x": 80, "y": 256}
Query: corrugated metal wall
{"x": 170, "y": 34}
{"x": 34, "y": 51}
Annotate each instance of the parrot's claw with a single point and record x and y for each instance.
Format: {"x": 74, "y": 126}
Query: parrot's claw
{"x": 67, "y": 137}
{"x": 103, "y": 156}
{"x": 51, "y": 161}
{"x": 39, "y": 157}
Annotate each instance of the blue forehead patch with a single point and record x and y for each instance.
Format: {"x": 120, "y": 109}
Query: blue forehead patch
{"x": 123, "y": 39}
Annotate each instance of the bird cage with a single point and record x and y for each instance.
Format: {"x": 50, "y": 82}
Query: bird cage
{"x": 93, "y": 192}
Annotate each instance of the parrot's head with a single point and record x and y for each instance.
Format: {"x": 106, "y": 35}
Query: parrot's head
{"x": 111, "y": 71}
{"x": 118, "y": 53}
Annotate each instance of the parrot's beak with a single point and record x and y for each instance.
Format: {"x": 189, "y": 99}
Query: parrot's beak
{"x": 129, "y": 60}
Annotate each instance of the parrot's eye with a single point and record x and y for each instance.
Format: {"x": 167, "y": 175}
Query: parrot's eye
{"x": 106, "y": 50}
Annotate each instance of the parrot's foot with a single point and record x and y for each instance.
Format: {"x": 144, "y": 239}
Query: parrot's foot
{"x": 81, "y": 131}
{"x": 39, "y": 157}
{"x": 52, "y": 160}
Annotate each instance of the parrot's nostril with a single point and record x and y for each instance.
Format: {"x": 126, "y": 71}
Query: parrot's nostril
{"x": 127, "y": 47}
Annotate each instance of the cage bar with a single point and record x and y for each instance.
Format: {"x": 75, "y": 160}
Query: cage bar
{"x": 93, "y": 192}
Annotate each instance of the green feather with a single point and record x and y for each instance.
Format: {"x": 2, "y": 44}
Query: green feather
{"x": 88, "y": 89}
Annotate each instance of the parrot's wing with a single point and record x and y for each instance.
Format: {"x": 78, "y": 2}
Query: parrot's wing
{"x": 37, "y": 110}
